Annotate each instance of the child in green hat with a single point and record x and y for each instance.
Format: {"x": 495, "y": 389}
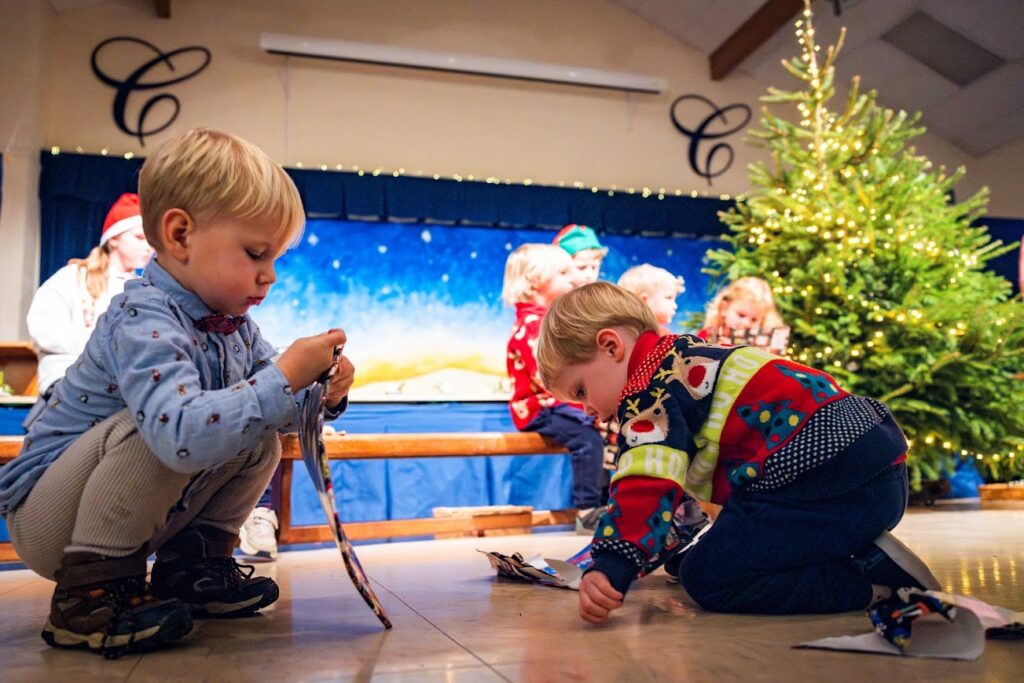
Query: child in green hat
{"x": 587, "y": 252}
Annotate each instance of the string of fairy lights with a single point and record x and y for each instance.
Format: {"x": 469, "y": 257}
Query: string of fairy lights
{"x": 645, "y": 192}
{"x": 848, "y": 237}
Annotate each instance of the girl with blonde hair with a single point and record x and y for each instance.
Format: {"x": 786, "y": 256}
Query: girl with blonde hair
{"x": 744, "y": 304}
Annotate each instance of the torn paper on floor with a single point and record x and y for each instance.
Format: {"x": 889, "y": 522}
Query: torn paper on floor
{"x": 549, "y": 572}
{"x": 929, "y": 624}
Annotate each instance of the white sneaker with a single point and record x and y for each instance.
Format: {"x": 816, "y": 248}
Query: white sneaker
{"x": 257, "y": 538}
{"x": 587, "y": 520}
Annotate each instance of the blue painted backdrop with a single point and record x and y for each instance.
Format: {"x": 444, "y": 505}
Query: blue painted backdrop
{"x": 417, "y": 300}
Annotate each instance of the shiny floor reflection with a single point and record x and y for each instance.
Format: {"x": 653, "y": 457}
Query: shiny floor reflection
{"x": 455, "y": 622}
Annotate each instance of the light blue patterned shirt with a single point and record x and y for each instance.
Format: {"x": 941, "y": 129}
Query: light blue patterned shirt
{"x": 199, "y": 398}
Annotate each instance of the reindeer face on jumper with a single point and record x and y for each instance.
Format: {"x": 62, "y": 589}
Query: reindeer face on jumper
{"x": 696, "y": 374}
{"x": 649, "y": 425}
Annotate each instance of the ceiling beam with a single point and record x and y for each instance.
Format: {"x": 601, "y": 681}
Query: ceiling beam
{"x": 755, "y": 31}
{"x": 163, "y": 8}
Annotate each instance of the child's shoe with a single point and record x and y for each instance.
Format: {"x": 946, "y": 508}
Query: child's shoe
{"x": 888, "y": 564}
{"x": 258, "y": 536}
{"x": 196, "y": 567}
{"x": 111, "y": 616}
{"x": 587, "y": 520}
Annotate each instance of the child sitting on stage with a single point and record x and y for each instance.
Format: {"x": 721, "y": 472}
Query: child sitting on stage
{"x": 581, "y": 243}
{"x": 811, "y": 477}
{"x": 744, "y": 313}
{"x": 535, "y": 275}
{"x": 741, "y": 305}
{"x": 163, "y": 434}
{"x": 657, "y": 288}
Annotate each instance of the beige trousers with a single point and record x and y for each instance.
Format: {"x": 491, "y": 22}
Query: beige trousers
{"x": 109, "y": 494}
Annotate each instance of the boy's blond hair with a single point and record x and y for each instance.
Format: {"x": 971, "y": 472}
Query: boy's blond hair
{"x": 648, "y": 279}
{"x": 749, "y": 288}
{"x": 210, "y": 175}
{"x": 528, "y": 266}
{"x": 568, "y": 334}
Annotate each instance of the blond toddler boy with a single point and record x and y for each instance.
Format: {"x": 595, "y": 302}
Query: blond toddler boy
{"x": 163, "y": 434}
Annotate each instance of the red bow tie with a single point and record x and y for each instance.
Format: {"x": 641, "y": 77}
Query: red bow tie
{"x": 222, "y": 324}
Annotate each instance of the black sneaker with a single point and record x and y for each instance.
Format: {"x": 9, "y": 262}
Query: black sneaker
{"x": 890, "y": 564}
{"x": 209, "y": 586}
{"x": 114, "y": 618}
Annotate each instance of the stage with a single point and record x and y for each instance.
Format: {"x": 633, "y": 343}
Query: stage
{"x": 455, "y": 622}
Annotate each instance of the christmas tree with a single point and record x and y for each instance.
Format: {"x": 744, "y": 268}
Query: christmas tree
{"x": 881, "y": 275}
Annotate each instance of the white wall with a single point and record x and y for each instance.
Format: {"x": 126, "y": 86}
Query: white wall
{"x": 319, "y": 112}
{"x": 24, "y": 33}
{"x": 1003, "y": 172}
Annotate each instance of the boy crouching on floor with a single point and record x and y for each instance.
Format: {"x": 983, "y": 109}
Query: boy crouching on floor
{"x": 163, "y": 434}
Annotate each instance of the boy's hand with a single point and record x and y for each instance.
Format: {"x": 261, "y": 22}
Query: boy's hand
{"x": 597, "y": 597}
{"x": 341, "y": 382}
{"x": 307, "y": 358}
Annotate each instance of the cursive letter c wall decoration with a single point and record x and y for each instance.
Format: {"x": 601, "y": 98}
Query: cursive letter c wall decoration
{"x": 704, "y": 167}
{"x": 134, "y": 82}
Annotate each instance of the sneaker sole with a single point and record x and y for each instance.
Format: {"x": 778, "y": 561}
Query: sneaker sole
{"x": 174, "y": 628}
{"x": 249, "y": 550}
{"x": 908, "y": 561}
{"x": 226, "y": 610}
{"x": 257, "y": 555}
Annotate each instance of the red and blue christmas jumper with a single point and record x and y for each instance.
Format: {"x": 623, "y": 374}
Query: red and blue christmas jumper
{"x": 712, "y": 421}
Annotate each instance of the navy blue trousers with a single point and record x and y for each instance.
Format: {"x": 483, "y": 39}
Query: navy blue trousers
{"x": 573, "y": 429}
{"x": 773, "y": 552}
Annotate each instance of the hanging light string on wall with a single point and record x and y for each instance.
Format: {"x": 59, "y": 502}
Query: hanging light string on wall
{"x": 645, "y": 192}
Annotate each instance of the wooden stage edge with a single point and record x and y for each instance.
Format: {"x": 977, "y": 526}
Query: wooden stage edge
{"x": 384, "y": 446}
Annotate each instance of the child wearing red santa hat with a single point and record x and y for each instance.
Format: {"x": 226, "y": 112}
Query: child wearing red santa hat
{"x": 65, "y": 308}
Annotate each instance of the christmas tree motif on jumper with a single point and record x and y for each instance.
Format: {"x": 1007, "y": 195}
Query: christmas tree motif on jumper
{"x": 659, "y": 523}
{"x": 879, "y": 271}
{"x": 774, "y": 419}
{"x": 606, "y": 526}
{"x": 743, "y": 474}
{"x": 649, "y": 425}
{"x": 814, "y": 382}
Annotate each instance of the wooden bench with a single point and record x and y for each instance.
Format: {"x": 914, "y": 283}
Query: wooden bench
{"x": 379, "y": 447}
{"x": 18, "y": 362}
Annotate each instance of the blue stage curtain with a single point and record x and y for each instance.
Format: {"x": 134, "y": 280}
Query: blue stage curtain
{"x": 76, "y": 190}
{"x": 75, "y": 193}
{"x": 409, "y": 488}
{"x": 1009, "y": 230}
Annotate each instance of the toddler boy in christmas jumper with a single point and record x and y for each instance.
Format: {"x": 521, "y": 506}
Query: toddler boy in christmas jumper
{"x": 163, "y": 434}
{"x": 535, "y": 275}
{"x": 811, "y": 478}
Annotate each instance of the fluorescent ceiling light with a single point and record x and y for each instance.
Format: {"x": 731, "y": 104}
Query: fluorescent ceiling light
{"x": 370, "y": 53}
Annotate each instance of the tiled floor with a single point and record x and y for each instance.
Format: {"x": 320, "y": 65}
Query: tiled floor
{"x": 455, "y": 622}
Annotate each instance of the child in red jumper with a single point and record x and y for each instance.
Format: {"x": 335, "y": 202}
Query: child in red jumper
{"x": 811, "y": 477}
{"x": 535, "y": 275}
